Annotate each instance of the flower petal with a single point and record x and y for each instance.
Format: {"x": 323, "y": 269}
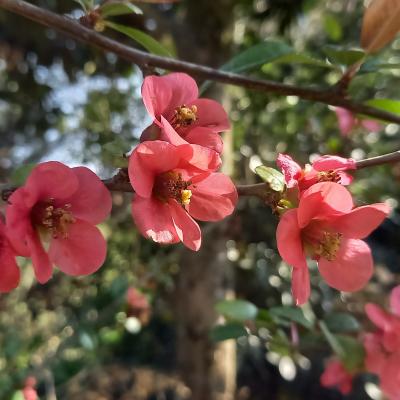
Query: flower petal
{"x": 184, "y": 88}
{"x": 288, "y": 237}
{"x": 186, "y": 228}
{"x": 323, "y": 200}
{"x": 213, "y": 198}
{"x": 40, "y": 260}
{"x": 361, "y": 221}
{"x": 205, "y": 137}
{"x": 371, "y": 125}
{"x": 352, "y": 268}
{"x": 395, "y": 301}
{"x": 52, "y": 179}
{"x": 92, "y": 201}
{"x": 82, "y": 252}
{"x": 169, "y": 134}
{"x": 211, "y": 114}
{"x": 149, "y": 159}
{"x": 327, "y": 163}
{"x": 9, "y": 271}
{"x": 378, "y": 316}
{"x": 157, "y": 95}
{"x": 153, "y": 219}
{"x": 291, "y": 170}
{"x": 300, "y": 285}
{"x": 198, "y": 158}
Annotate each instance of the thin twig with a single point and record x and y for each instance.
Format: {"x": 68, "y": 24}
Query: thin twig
{"x": 72, "y": 28}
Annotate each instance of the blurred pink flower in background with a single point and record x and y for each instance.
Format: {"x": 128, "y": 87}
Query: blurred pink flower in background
{"x": 348, "y": 122}
{"x": 29, "y": 391}
{"x": 336, "y": 375}
{"x": 383, "y": 346}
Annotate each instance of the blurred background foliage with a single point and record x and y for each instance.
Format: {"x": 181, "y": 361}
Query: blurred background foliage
{"x": 62, "y": 100}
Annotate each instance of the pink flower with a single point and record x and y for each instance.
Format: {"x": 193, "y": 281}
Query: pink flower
{"x": 136, "y": 299}
{"x": 29, "y": 391}
{"x": 51, "y": 219}
{"x": 179, "y": 115}
{"x": 336, "y": 375}
{"x": 383, "y": 346}
{"x": 9, "y": 271}
{"x": 323, "y": 169}
{"x": 327, "y": 228}
{"x": 348, "y": 122}
{"x": 171, "y": 189}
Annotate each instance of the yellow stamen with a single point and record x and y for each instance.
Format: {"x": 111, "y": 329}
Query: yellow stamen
{"x": 185, "y": 197}
{"x": 328, "y": 246}
{"x": 184, "y": 116}
{"x": 328, "y": 176}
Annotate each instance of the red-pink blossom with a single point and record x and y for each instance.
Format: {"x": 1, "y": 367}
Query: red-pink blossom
{"x": 348, "y": 122}
{"x": 178, "y": 114}
{"x": 136, "y": 299}
{"x": 324, "y": 169}
{"x": 52, "y": 219}
{"x": 171, "y": 188}
{"x": 9, "y": 271}
{"x": 383, "y": 346}
{"x": 336, "y": 375}
{"x": 29, "y": 391}
{"x": 327, "y": 228}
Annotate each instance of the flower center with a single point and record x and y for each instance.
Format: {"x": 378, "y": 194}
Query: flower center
{"x": 328, "y": 245}
{"x": 53, "y": 220}
{"x": 184, "y": 116}
{"x": 170, "y": 185}
{"x": 328, "y": 176}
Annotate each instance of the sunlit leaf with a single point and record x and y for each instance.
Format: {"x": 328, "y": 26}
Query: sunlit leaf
{"x": 18, "y": 395}
{"x": 389, "y": 105}
{"x": 301, "y": 58}
{"x": 273, "y": 177}
{"x": 238, "y": 310}
{"x": 150, "y": 44}
{"x": 227, "y": 331}
{"x": 341, "y": 322}
{"x": 292, "y": 314}
{"x": 381, "y": 23}
{"x": 115, "y": 9}
{"x": 333, "y": 27}
{"x": 337, "y": 55}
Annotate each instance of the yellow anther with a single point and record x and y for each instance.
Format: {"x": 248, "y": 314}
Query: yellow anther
{"x": 185, "y": 197}
{"x": 184, "y": 116}
{"x": 328, "y": 246}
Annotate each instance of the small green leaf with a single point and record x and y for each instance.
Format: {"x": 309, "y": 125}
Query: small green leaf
{"x": 337, "y": 55}
{"x": 332, "y": 27}
{"x": 354, "y": 354}
{"x": 257, "y": 55}
{"x": 228, "y": 331}
{"x": 238, "y": 310}
{"x": 18, "y": 395}
{"x": 341, "y": 322}
{"x": 82, "y": 3}
{"x": 374, "y": 64}
{"x": 150, "y": 44}
{"x": 280, "y": 344}
{"x": 332, "y": 340}
{"x": 292, "y": 314}
{"x": 388, "y": 105}
{"x": 121, "y": 8}
{"x": 19, "y": 175}
{"x": 273, "y": 177}
{"x": 301, "y": 58}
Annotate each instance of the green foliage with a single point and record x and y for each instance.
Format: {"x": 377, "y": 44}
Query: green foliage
{"x": 150, "y": 44}
{"x": 118, "y": 8}
{"x": 332, "y": 27}
{"x": 20, "y": 174}
{"x": 342, "y": 56}
{"x": 237, "y": 310}
{"x": 291, "y": 314}
{"x": 341, "y": 322}
{"x": 389, "y": 105}
{"x": 228, "y": 331}
{"x": 271, "y": 176}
